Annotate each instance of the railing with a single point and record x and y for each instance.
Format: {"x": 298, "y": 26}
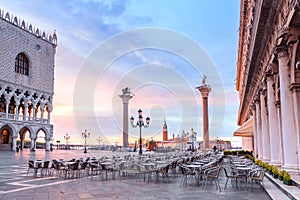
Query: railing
{"x": 2, "y": 115}
{"x": 21, "y": 118}
{"x": 11, "y": 116}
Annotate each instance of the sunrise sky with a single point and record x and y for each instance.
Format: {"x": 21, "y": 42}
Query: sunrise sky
{"x": 159, "y": 48}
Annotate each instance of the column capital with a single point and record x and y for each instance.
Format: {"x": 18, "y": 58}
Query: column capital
{"x": 253, "y": 106}
{"x": 204, "y": 90}
{"x": 281, "y": 51}
{"x": 289, "y": 34}
{"x": 257, "y": 97}
{"x": 271, "y": 70}
{"x": 295, "y": 87}
{"x": 125, "y": 98}
{"x": 277, "y": 104}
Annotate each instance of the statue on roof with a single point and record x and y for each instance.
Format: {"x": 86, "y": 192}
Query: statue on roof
{"x": 126, "y": 91}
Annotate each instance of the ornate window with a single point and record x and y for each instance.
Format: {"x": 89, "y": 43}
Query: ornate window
{"x": 22, "y": 64}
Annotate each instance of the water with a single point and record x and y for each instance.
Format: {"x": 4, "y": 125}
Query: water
{"x": 22, "y": 157}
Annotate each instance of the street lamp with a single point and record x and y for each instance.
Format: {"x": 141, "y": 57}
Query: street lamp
{"x": 99, "y": 140}
{"x": 140, "y": 123}
{"x": 182, "y": 139}
{"x": 193, "y": 135}
{"x": 85, "y": 135}
{"x": 67, "y": 137}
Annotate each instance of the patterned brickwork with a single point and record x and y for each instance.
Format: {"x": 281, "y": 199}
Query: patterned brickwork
{"x": 15, "y": 40}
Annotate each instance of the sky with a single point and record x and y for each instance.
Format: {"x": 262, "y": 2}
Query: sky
{"x": 160, "y": 49}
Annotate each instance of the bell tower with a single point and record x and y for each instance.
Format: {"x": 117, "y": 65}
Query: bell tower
{"x": 165, "y": 131}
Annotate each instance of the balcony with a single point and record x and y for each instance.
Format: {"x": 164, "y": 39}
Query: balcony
{"x": 20, "y": 118}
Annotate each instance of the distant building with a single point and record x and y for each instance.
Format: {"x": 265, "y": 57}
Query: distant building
{"x": 27, "y": 57}
{"x": 165, "y": 131}
{"x": 268, "y": 80}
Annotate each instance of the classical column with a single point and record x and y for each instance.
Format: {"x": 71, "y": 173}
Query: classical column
{"x": 289, "y": 134}
{"x": 278, "y": 111}
{"x": 255, "y": 142}
{"x": 126, "y": 96}
{"x": 258, "y": 128}
{"x": 275, "y": 138}
{"x": 265, "y": 127}
{"x": 205, "y": 90}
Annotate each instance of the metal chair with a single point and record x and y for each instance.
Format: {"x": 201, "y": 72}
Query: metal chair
{"x": 258, "y": 179}
{"x": 230, "y": 176}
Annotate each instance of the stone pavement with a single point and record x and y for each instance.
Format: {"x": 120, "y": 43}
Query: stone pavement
{"x": 15, "y": 185}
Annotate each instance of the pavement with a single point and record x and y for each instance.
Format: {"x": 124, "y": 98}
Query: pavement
{"x": 15, "y": 184}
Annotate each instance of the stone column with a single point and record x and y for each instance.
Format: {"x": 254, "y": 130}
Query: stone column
{"x": 126, "y": 96}
{"x": 42, "y": 113}
{"x": 289, "y": 134}
{"x": 32, "y": 146}
{"x": 258, "y": 128}
{"x": 275, "y": 138}
{"x": 17, "y": 110}
{"x": 33, "y": 112}
{"x": 47, "y": 144}
{"x": 14, "y": 143}
{"x": 255, "y": 141}
{"x": 265, "y": 127}
{"x": 278, "y": 111}
{"x": 6, "y": 109}
{"x": 25, "y": 110}
{"x": 205, "y": 90}
{"x": 49, "y": 113}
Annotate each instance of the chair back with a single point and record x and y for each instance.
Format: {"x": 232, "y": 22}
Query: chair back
{"x": 31, "y": 164}
{"x": 46, "y": 164}
{"x": 261, "y": 175}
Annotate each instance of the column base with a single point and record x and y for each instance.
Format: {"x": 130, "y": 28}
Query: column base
{"x": 275, "y": 163}
{"x": 291, "y": 168}
{"x": 266, "y": 160}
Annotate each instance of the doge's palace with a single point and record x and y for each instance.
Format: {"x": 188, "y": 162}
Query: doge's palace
{"x": 27, "y": 62}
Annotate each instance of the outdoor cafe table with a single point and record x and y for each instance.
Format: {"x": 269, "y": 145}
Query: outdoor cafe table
{"x": 245, "y": 172}
{"x": 197, "y": 169}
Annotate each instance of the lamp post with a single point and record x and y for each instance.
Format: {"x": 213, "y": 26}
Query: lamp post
{"x": 182, "y": 139}
{"x": 140, "y": 123}
{"x": 193, "y": 135}
{"x": 85, "y": 135}
{"x": 67, "y": 137}
{"x": 99, "y": 140}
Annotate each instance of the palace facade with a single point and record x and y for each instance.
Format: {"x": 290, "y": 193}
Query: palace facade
{"x": 27, "y": 61}
{"x": 268, "y": 79}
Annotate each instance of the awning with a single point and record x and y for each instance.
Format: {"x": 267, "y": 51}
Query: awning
{"x": 246, "y": 130}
